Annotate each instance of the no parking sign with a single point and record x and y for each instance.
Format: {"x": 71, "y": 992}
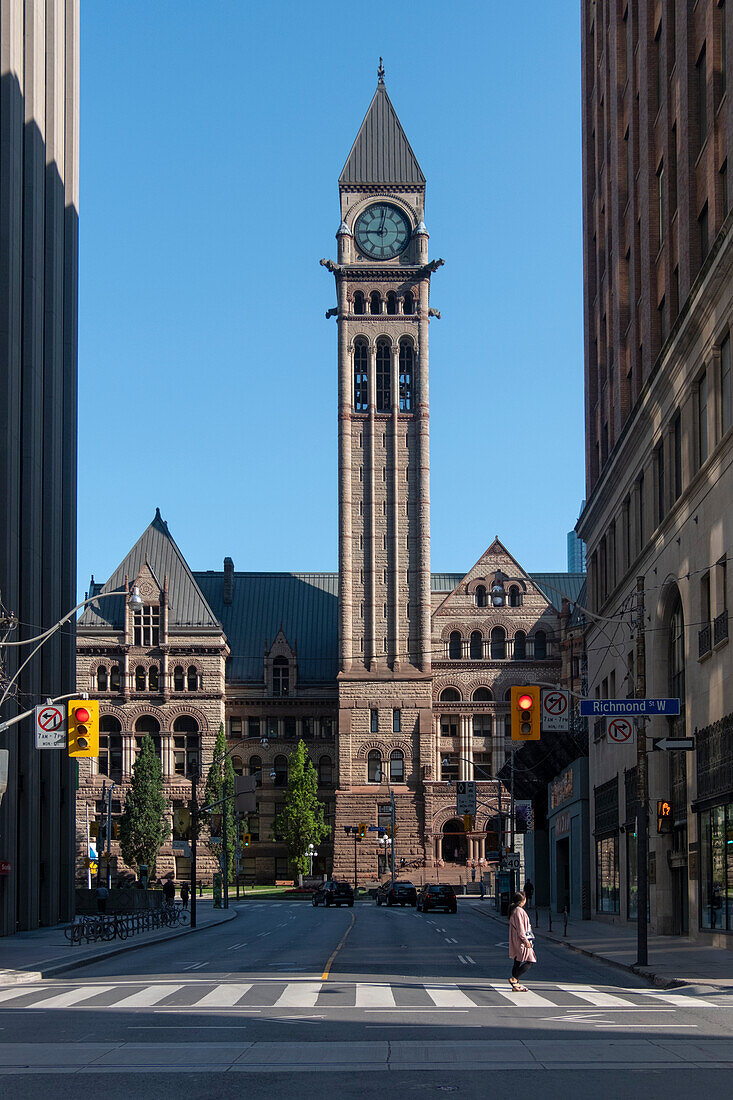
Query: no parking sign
{"x": 620, "y": 731}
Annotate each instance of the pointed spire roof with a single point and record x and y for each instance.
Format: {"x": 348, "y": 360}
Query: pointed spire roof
{"x": 156, "y": 550}
{"x": 381, "y": 152}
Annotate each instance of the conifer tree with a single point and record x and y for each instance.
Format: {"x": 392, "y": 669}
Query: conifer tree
{"x": 301, "y": 821}
{"x": 144, "y": 821}
{"x": 219, "y": 780}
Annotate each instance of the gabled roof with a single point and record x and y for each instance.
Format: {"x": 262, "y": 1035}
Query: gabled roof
{"x": 187, "y": 606}
{"x": 303, "y": 605}
{"x": 557, "y": 585}
{"x": 381, "y": 152}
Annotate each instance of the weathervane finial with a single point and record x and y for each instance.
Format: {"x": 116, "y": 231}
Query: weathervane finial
{"x": 380, "y": 72}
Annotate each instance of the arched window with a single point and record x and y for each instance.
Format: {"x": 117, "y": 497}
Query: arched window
{"x": 178, "y": 678}
{"x": 540, "y": 645}
{"x": 375, "y": 302}
{"x": 677, "y": 652}
{"x": 498, "y": 644}
{"x": 184, "y": 723}
{"x": 520, "y": 646}
{"x": 114, "y": 678}
{"x": 280, "y": 768}
{"x": 359, "y": 304}
{"x": 482, "y": 695}
{"x": 140, "y": 678}
{"x": 237, "y": 765}
{"x": 185, "y": 745}
{"x": 450, "y": 695}
{"x": 192, "y": 678}
{"x": 325, "y": 772}
{"x": 255, "y": 769}
{"x": 153, "y": 678}
{"x": 374, "y": 766}
{"x": 110, "y": 747}
{"x": 515, "y": 598}
{"x": 384, "y": 397}
{"x": 476, "y": 646}
{"x": 407, "y": 359}
{"x": 109, "y": 724}
{"x": 454, "y": 646}
{"x": 280, "y": 676}
{"x": 408, "y": 306}
{"x": 148, "y": 726}
{"x": 101, "y": 678}
{"x": 397, "y": 766}
{"x": 361, "y": 387}
{"x": 482, "y": 599}
{"x": 391, "y": 302}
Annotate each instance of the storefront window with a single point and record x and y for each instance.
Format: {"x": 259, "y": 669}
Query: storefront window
{"x": 607, "y": 875}
{"x": 716, "y": 879}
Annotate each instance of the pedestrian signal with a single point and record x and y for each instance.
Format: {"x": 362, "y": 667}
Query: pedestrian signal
{"x": 83, "y": 727}
{"x": 664, "y": 816}
{"x": 525, "y": 713}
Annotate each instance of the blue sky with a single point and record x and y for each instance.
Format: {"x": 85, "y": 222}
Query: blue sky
{"x": 212, "y": 137}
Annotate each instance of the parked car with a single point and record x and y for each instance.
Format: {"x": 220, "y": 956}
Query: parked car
{"x": 396, "y": 893}
{"x": 437, "y": 896}
{"x": 333, "y": 893}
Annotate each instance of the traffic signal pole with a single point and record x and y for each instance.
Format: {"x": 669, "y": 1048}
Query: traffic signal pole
{"x": 194, "y": 833}
{"x": 642, "y": 787}
{"x": 393, "y": 844}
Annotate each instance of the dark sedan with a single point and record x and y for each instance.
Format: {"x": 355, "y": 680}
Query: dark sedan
{"x": 437, "y": 896}
{"x": 333, "y": 893}
{"x": 397, "y": 893}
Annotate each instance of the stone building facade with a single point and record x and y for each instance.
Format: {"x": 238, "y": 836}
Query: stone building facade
{"x": 658, "y": 258}
{"x": 396, "y": 679}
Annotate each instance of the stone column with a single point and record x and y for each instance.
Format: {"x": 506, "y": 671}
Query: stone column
{"x": 464, "y": 768}
{"x": 436, "y": 747}
{"x": 128, "y": 753}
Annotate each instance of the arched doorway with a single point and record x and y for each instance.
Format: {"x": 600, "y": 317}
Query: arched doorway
{"x": 454, "y": 846}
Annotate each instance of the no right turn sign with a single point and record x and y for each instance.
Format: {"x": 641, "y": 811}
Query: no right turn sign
{"x": 620, "y": 731}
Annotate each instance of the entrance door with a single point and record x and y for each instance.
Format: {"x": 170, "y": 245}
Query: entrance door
{"x": 454, "y": 845}
{"x": 562, "y": 886}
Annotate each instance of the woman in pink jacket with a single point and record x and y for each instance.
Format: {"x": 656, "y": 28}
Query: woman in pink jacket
{"x": 521, "y": 939}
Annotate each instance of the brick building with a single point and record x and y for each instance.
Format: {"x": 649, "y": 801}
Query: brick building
{"x": 397, "y": 679}
{"x": 658, "y": 261}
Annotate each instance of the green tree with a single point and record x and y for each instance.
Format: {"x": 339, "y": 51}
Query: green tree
{"x": 220, "y": 779}
{"x": 144, "y": 821}
{"x": 301, "y": 821}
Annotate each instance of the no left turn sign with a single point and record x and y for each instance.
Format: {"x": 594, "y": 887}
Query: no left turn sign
{"x": 620, "y": 731}
{"x": 50, "y": 723}
{"x": 555, "y": 710}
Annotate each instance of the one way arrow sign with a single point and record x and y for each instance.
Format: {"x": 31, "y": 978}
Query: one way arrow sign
{"x": 687, "y": 744}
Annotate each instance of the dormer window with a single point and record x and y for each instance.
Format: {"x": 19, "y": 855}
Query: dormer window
{"x": 147, "y": 626}
{"x": 280, "y": 676}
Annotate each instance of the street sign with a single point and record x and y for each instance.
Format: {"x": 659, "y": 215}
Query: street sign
{"x": 465, "y": 797}
{"x": 492, "y": 857}
{"x": 610, "y": 708}
{"x": 50, "y": 726}
{"x": 511, "y": 862}
{"x": 555, "y": 710}
{"x": 620, "y": 731}
{"x": 685, "y": 744}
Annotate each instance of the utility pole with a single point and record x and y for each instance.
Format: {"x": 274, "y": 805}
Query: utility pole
{"x": 356, "y": 864}
{"x": 224, "y": 844}
{"x": 512, "y": 822}
{"x": 393, "y": 845}
{"x": 642, "y": 787}
{"x": 194, "y": 834}
{"x": 109, "y": 835}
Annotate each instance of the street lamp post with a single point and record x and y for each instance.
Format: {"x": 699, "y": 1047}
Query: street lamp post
{"x": 311, "y": 853}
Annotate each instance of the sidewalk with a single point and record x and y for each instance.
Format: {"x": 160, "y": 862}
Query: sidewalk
{"x": 673, "y": 960}
{"x": 45, "y": 952}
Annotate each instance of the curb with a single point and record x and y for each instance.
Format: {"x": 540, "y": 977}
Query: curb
{"x": 630, "y": 968}
{"x": 23, "y": 977}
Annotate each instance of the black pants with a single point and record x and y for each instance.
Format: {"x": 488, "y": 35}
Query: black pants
{"x": 520, "y": 968}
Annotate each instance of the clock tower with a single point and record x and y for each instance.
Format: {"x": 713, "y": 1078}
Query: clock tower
{"x": 383, "y": 284}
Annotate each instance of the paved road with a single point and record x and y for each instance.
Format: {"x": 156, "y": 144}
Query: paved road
{"x": 294, "y": 1000}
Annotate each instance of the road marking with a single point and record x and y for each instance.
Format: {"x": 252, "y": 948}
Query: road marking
{"x": 374, "y": 996}
{"x": 224, "y": 996}
{"x": 448, "y": 996}
{"x": 72, "y": 996}
{"x": 677, "y": 999}
{"x": 146, "y": 997}
{"x": 592, "y": 996}
{"x": 339, "y": 945}
{"x": 8, "y": 994}
{"x": 519, "y": 999}
{"x": 449, "y": 940}
{"x": 472, "y": 961}
{"x": 299, "y": 995}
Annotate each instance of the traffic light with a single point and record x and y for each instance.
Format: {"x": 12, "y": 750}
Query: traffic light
{"x": 525, "y": 714}
{"x": 83, "y": 727}
{"x": 362, "y": 831}
{"x": 246, "y": 837}
{"x": 664, "y": 816}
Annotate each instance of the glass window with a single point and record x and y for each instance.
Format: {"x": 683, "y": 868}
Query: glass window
{"x": 253, "y": 727}
{"x": 396, "y": 721}
{"x": 146, "y": 624}
{"x": 110, "y": 754}
{"x": 540, "y": 645}
{"x": 178, "y": 678}
{"x": 114, "y": 678}
{"x": 482, "y": 725}
{"x": 607, "y": 875}
{"x": 449, "y": 725}
{"x": 280, "y": 676}
{"x": 361, "y": 389}
{"x": 375, "y": 302}
{"x": 397, "y": 766}
{"x": 325, "y": 772}
{"x": 384, "y": 398}
{"x": 449, "y": 767}
{"x": 725, "y": 386}
{"x": 409, "y": 304}
{"x": 406, "y": 371}
{"x": 289, "y": 728}
{"x": 153, "y": 678}
{"x": 482, "y": 599}
{"x": 498, "y": 644}
{"x": 140, "y": 678}
{"x": 255, "y": 769}
{"x": 454, "y": 646}
{"x": 235, "y": 727}
{"x": 101, "y": 678}
{"x": 450, "y": 695}
{"x": 520, "y": 646}
{"x": 715, "y": 909}
{"x": 192, "y": 678}
{"x": 374, "y": 721}
{"x": 391, "y": 303}
{"x": 280, "y": 768}
{"x": 476, "y": 646}
{"x": 515, "y": 598}
{"x": 374, "y": 766}
{"x": 238, "y": 765}
{"x": 677, "y": 652}
{"x": 359, "y": 303}
{"x": 482, "y": 695}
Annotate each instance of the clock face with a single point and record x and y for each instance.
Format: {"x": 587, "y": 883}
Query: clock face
{"x": 382, "y": 231}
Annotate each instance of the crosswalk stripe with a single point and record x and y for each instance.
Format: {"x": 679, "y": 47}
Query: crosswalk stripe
{"x": 678, "y": 999}
{"x": 224, "y": 996}
{"x": 299, "y": 995}
{"x": 71, "y": 997}
{"x": 144, "y": 998}
{"x": 21, "y": 991}
{"x": 519, "y": 999}
{"x": 374, "y": 996}
{"x": 595, "y": 996}
{"x": 448, "y": 996}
